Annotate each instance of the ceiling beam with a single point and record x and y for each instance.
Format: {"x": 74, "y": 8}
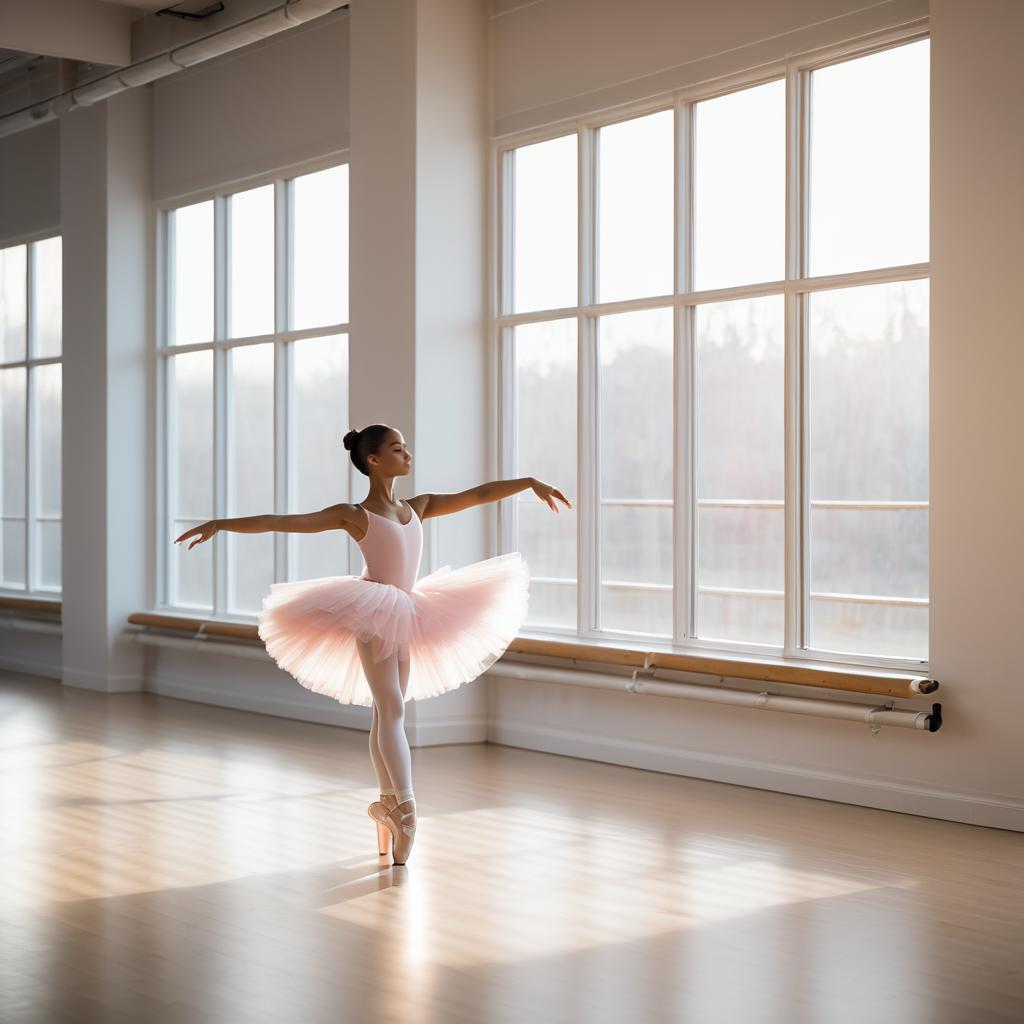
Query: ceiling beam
{"x": 86, "y": 30}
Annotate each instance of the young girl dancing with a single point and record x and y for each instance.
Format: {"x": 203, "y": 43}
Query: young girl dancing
{"x": 384, "y": 637}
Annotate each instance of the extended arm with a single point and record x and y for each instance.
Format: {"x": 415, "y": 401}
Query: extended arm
{"x": 495, "y": 490}
{"x": 334, "y": 517}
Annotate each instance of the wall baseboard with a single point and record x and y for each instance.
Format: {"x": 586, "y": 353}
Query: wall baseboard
{"x": 31, "y": 667}
{"x": 306, "y": 706}
{"x": 968, "y": 808}
{"x": 100, "y": 683}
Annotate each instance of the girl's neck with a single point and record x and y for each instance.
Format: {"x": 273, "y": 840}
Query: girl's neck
{"x": 382, "y": 492}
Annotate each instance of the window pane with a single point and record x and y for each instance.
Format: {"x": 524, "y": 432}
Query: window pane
{"x": 192, "y": 299}
{"x": 252, "y": 263}
{"x": 12, "y": 562}
{"x": 636, "y": 471}
{"x": 320, "y": 278}
{"x": 12, "y": 440}
{"x": 13, "y": 284}
{"x": 740, "y": 188}
{"x": 321, "y": 462}
{"x": 190, "y": 449}
{"x": 545, "y": 235}
{"x": 194, "y": 569}
{"x": 46, "y": 386}
{"x": 869, "y": 161}
{"x": 251, "y": 456}
{"x": 868, "y": 382}
{"x": 545, "y": 357}
{"x": 636, "y": 208}
{"x": 48, "y": 296}
{"x": 48, "y": 537}
{"x": 740, "y": 460}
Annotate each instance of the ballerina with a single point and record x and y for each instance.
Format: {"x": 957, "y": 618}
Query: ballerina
{"x": 383, "y": 638}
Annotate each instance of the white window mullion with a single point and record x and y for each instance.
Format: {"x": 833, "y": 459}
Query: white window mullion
{"x": 167, "y": 566}
{"x": 222, "y": 470}
{"x": 284, "y": 463}
{"x": 683, "y": 532}
{"x": 508, "y": 447}
{"x": 796, "y": 250}
{"x": 588, "y": 521}
{"x": 30, "y": 441}
{"x": 285, "y": 554}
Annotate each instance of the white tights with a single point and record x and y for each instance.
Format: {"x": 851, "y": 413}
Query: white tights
{"x": 389, "y": 747}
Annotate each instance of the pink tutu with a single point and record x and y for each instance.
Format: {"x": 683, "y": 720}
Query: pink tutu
{"x": 453, "y": 625}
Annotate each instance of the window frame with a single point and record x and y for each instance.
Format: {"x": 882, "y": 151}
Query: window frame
{"x": 795, "y": 290}
{"x": 285, "y": 544}
{"x": 32, "y": 588}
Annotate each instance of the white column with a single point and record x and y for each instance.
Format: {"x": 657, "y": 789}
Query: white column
{"x": 106, "y": 223}
{"x": 419, "y": 107}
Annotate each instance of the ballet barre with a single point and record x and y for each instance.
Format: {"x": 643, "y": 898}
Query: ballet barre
{"x": 888, "y": 684}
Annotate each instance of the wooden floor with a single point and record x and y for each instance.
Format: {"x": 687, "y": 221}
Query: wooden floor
{"x": 170, "y": 861}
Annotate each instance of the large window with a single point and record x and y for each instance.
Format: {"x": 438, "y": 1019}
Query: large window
{"x": 30, "y": 418}
{"x": 254, "y": 386}
{"x": 713, "y": 319}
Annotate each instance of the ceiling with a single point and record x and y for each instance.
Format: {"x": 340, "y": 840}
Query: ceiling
{"x": 149, "y": 6}
{"x": 15, "y": 60}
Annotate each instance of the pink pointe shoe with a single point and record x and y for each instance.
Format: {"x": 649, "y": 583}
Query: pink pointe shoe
{"x": 378, "y": 810}
{"x": 402, "y": 827}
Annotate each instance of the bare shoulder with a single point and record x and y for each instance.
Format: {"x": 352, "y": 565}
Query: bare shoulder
{"x": 419, "y": 504}
{"x": 351, "y": 518}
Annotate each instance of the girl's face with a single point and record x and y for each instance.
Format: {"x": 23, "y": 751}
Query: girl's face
{"x": 392, "y": 458}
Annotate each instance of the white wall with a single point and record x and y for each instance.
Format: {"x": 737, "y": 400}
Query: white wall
{"x": 973, "y": 769}
{"x": 30, "y": 182}
{"x": 260, "y": 109}
{"x": 556, "y": 59}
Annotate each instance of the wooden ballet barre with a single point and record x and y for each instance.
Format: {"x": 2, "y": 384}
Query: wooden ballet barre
{"x": 30, "y": 604}
{"x": 197, "y": 627}
{"x": 895, "y": 685}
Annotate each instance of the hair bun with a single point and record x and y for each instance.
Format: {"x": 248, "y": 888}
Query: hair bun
{"x": 350, "y": 439}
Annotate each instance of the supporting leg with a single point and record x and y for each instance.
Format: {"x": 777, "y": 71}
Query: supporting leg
{"x": 383, "y": 678}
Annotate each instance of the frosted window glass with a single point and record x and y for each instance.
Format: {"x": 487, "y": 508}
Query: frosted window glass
{"x": 636, "y": 202}
{"x": 320, "y": 278}
{"x": 194, "y": 569}
{"x": 48, "y": 296}
{"x": 740, "y": 188}
{"x": 545, "y": 232}
{"x": 48, "y": 537}
{"x": 740, "y": 456}
{"x": 47, "y": 428}
{"x": 192, "y": 298}
{"x": 545, "y": 376}
{"x": 12, "y": 440}
{"x": 321, "y": 462}
{"x": 252, "y": 263}
{"x": 13, "y": 285}
{"x": 636, "y": 465}
{"x": 252, "y": 463}
{"x": 868, "y": 383}
{"x": 869, "y": 161}
{"x": 190, "y": 447}
{"x": 12, "y": 554}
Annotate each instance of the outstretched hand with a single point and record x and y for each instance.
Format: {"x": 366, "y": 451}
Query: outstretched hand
{"x": 547, "y": 494}
{"x": 203, "y": 532}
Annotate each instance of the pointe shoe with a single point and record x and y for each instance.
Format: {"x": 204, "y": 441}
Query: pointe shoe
{"x": 378, "y": 811}
{"x": 403, "y": 833}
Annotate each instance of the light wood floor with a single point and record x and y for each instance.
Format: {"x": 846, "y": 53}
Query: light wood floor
{"x": 169, "y": 861}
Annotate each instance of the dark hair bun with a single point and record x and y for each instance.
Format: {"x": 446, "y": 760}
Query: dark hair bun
{"x": 350, "y": 439}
